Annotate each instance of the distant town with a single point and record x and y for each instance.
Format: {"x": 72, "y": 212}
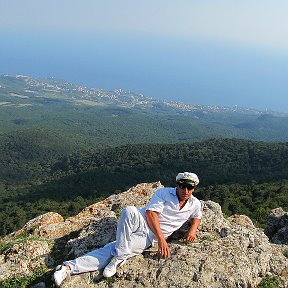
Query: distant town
{"x": 60, "y": 88}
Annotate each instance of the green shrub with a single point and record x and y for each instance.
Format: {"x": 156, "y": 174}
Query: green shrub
{"x": 23, "y": 281}
{"x": 269, "y": 282}
{"x": 4, "y": 245}
{"x": 208, "y": 238}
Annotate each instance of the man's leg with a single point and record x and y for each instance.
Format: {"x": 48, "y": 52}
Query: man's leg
{"x": 132, "y": 233}
{"x": 91, "y": 261}
{"x": 131, "y": 238}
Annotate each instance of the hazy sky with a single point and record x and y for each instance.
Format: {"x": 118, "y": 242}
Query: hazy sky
{"x": 205, "y": 52}
{"x": 256, "y": 22}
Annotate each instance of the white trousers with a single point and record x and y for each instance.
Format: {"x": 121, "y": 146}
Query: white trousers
{"x": 131, "y": 239}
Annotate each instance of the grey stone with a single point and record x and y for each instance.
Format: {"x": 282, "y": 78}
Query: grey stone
{"x": 277, "y": 226}
{"x": 226, "y": 253}
{"x": 39, "y": 285}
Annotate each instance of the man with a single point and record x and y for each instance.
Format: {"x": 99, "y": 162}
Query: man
{"x": 138, "y": 229}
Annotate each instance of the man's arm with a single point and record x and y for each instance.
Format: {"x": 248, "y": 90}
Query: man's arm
{"x": 154, "y": 225}
{"x": 191, "y": 233}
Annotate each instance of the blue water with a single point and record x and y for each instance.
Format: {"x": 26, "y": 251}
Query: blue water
{"x": 191, "y": 71}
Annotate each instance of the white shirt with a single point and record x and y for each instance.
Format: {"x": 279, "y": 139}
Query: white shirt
{"x": 171, "y": 218}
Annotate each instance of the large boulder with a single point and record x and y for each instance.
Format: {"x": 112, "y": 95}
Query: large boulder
{"x": 277, "y": 226}
{"x": 49, "y": 218}
{"x": 63, "y": 239}
{"x": 228, "y": 252}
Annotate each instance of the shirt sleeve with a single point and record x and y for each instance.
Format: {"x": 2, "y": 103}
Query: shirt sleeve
{"x": 156, "y": 202}
{"x": 197, "y": 213}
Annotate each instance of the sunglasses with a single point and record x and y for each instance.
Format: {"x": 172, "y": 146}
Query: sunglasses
{"x": 185, "y": 185}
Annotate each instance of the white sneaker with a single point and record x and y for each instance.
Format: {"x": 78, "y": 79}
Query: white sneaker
{"x": 111, "y": 268}
{"x": 60, "y": 274}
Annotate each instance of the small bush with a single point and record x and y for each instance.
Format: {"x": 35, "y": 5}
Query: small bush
{"x": 225, "y": 215}
{"x": 269, "y": 282}
{"x": 208, "y": 238}
{"x": 23, "y": 281}
{"x": 4, "y": 245}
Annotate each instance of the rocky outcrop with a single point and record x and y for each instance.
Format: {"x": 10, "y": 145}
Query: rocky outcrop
{"x": 228, "y": 252}
{"x": 277, "y": 226}
{"x": 42, "y": 220}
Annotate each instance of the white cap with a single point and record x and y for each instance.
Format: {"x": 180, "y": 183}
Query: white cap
{"x": 188, "y": 176}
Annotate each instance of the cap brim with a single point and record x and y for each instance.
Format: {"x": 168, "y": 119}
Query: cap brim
{"x": 187, "y": 181}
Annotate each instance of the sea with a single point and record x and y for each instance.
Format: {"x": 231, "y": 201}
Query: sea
{"x": 182, "y": 69}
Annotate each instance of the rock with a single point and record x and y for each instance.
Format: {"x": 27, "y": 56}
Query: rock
{"x": 277, "y": 226}
{"x": 39, "y": 285}
{"x": 95, "y": 235}
{"x": 45, "y": 219}
{"x": 226, "y": 253}
{"x": 241, "y": 220}
{"x": 94, "y": 226}
{"x": 23, "y": 258}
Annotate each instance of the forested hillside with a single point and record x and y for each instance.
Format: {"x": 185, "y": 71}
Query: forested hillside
{"x": 63, "y": 146}
{"x": 101, "y": 119}
{"x": 243, "y": 176}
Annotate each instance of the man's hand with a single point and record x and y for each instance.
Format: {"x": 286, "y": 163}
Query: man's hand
{"x": 163, "y": 248}
{"x": 189, "y": 236}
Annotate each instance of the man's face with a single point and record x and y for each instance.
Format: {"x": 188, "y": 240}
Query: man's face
{"x": 184, "y": 191}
